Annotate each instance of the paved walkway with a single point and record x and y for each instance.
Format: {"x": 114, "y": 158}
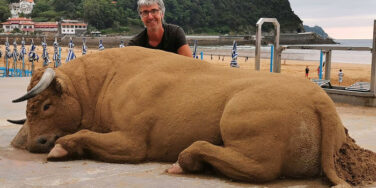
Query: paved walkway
{"x": 19, "y": 168}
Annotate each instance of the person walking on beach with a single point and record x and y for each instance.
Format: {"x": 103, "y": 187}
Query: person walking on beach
{"x": 340, "y": 76}
{"x": 158, "y": 34}
{"x": 306, "y": 72}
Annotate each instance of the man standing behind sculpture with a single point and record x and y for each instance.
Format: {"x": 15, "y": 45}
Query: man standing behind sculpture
{"x": 158, "y": 34}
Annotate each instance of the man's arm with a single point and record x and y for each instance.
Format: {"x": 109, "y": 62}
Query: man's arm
{"x": 185, "y": 50}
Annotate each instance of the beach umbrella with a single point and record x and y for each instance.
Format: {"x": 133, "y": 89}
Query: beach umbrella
{"x": 15, "y": 56}
{"x": 7, "y": 56}
{"x": 32, "y": 55}
{"x": 22, "y": 56}
{"x": 101, "y": 47}
{"x": 194, "y": 49}
{"x": 71, "y": 54}
{"x": 23, "y": 50}
{"x": 84, "y": 47}
{"x": 56, "y": 56}
{"x": 121, "y": 44}
{"x": 234, "y": 55}
{"x": 46, "y": 59}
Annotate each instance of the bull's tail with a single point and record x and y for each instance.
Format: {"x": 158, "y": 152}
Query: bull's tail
{"x": 333, "y": 136}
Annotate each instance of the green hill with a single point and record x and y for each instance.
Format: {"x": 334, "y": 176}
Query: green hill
{"x": 195, "y": 16}
{"x": 316, "y": 29}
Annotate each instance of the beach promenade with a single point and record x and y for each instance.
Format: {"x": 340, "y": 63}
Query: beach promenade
{"x": 354, "y": 72}
{"x": 19, "y": 168}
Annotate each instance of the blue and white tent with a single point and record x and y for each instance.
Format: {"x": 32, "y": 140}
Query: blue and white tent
{"x": 56, "y": 57}
{"x": 71, "y": 54}
{"x": 15, "y": 51}
{"x": 8, "y": 54}
{"x": 84, "y": 47}
{"x": 121, "y": 44}
{"x": 22, "y": 56}
{"x": 46, "y": 59}
{"x": 234, "y": 55}
{"x": 194, "y": 49}
{"x": 15, "y": 57}
{"x": 23, "y": 50}
{"x": 101, "y": 47}
{"x": 32, "y": 55}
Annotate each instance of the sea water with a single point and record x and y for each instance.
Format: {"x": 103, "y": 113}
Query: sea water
{"x": 338, "y": 56}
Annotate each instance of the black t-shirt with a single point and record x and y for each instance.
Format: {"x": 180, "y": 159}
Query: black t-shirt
{"x": 173, "y": 38}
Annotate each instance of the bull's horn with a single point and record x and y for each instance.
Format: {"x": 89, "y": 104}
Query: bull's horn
{"x": 44, "y": 82}
{"x": 19, "y": 122}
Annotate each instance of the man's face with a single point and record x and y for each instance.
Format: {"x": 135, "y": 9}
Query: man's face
{"x": 151, "y": 16}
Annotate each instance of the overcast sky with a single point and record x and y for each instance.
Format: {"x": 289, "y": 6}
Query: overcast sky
{"x": 341, "y": 19}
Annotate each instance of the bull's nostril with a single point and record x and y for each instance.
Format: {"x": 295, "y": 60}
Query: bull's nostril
{"x": 42, "y": 140}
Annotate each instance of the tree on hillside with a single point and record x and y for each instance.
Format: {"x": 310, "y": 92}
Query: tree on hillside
{"x": 69, "y": 8}
{"x": 195, "y": 16}
{"x": 4, "y": 10}
{"x": 100, "y": 13}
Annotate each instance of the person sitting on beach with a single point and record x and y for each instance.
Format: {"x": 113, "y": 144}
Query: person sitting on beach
{"x": 306, "y": 72}
{"x": 340, "y": 76}
{"x": 158, "y": 34}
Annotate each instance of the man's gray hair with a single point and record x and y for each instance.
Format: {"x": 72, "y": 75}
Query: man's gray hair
{"x": 151, "y": 2}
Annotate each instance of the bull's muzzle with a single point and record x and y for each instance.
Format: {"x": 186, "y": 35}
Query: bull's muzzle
{"x": 42, "y": 144}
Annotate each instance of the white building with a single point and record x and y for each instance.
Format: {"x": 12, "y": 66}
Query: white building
{"x": 23, "y": 24}
{"x": 24, "y": 6}
{"x": 73, "y": 27}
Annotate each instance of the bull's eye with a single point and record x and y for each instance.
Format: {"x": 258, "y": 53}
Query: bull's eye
{"x": 46, "y": 107}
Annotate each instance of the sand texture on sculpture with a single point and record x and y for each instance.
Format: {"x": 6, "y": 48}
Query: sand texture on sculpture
{"x": 161, "y": 107}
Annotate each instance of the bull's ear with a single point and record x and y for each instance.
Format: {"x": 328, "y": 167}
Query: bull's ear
{"x": 60, "y": 85}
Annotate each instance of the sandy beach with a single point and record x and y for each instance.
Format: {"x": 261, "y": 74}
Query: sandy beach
{"x": 352, "y": 72}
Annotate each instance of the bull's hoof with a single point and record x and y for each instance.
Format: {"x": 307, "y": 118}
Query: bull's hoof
{"x": 57, "y": 152}
{"x": 175, "y": 169}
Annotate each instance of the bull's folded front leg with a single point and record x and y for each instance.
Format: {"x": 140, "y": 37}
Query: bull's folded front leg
{"x": 110, "y": 147}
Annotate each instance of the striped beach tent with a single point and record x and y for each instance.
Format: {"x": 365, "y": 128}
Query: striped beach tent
{"x": 121, "y": 44}
{"x": 234, "y": 55}
{"x": 46, "y": 59}
{"x": 194, "y": 49}
{"x": 101, "y": 47}
{"x": 84, "y": 47}
{"x": 71, "y": 54}
{"x": 15, "y": 51}
{"x": 22, "y": 56}
{"x": 56, "y": 56}
{"x": 15, "y": 57}
{"x": 32, "y": 55}
{"x": 22, "y": 51}
{"x": 7, "y": 56}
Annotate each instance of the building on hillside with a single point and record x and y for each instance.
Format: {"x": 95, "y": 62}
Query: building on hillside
{"x": 24, "y": 6}
{"x": 65, "y": 27}
{"x": 46, "y": 27}
{"x": 73, "y": 27}
{"x": 23, "y": 24}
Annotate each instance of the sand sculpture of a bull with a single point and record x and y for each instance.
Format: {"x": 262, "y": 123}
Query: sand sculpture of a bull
{"x": 133, "y": 104}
